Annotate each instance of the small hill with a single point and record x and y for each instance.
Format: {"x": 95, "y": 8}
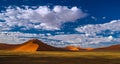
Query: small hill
{"x": 7, "y": 46}
{"x": 89, "y": 49}
{"x": 109, "y": 48}
{"x": 74, "y": 48}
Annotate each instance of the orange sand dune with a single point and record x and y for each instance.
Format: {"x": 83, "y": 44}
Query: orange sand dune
{"x": 30, "y": 46}
{"x": 89, "y": 49}
{"x": 109, "y": 48}
{"x": 74, "y": 48}
{"x": 37, "y": 45}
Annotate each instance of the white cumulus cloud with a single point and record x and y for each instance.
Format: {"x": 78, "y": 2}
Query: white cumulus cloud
{"x": 113, "y": 26}
{"x": 41, "y": 17}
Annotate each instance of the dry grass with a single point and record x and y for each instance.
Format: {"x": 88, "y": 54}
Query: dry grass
{"x": 59, "y": 57}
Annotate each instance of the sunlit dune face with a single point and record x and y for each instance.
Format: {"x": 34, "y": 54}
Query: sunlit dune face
{"x": 29, "y": 47}
{"x": 89, "y": 49}
{"x": 72, "y": 48}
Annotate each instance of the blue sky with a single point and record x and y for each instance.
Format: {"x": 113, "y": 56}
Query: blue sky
{"x": 85, "y": 23}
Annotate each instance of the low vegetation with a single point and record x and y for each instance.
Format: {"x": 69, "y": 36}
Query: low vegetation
{"x": 59, "y": 57}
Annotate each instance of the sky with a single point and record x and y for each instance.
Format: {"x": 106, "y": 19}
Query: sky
{"x": 84, "y": 23}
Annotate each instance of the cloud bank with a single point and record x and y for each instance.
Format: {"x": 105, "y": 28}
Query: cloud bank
{"x": 41, "y": 17}
{"x": 113, "y": 26}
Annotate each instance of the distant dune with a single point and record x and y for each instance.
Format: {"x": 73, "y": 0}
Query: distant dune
{"x": 109, "y": 48}
{"x": 89, "y": 49}
{"x": 74, "y": 48}
{"x": 37, "y": 45}
{"x": 8, "y": 46}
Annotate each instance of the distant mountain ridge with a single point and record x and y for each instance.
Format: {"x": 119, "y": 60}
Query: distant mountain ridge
{"x": 37, "y": 45}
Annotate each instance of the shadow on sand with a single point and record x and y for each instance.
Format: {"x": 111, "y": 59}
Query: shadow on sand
{"x": 16, "y": 59}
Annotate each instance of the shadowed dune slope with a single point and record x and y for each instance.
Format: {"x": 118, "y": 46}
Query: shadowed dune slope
{"x": 44, "y": 47}
{"x": 8, "y": 46}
